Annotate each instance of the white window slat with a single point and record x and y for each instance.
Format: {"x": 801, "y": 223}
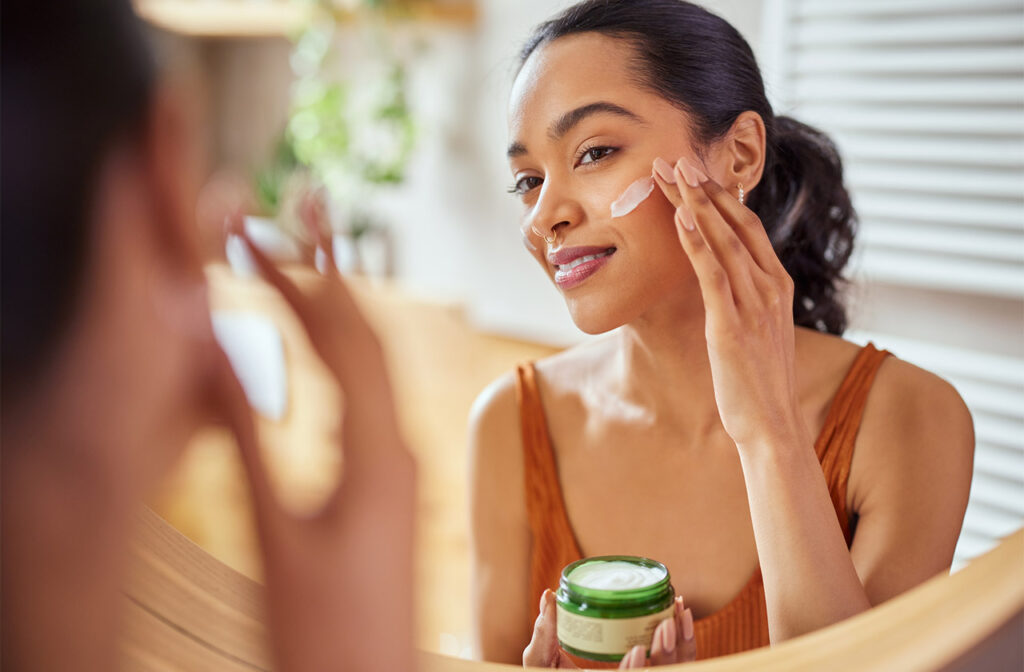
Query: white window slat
{"x": 998, "y": 432}
{"x": 961, "y": 276}
{"x": 991, "y": 521}
{"x": 914, "y": 120}
{"x": 888, "y": 8}
{"x": 922, "y": 237}
{"x": 1003, "y": 494}
{"x": 975, "y": 152}
{"x": 920, "y": 61}
{"x": 996, "y": 462}
{"x": 923, "y": 179}
{"x": 953, "y": 211}
{"x": 899, "y": 32}
{"x": 970, "y": 91}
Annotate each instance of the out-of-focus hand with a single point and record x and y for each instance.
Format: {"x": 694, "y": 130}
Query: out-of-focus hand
{"x": 339, "y": 582}
{"x": 673, "y": 641}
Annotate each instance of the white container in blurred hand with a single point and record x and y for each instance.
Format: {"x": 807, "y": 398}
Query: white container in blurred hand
{"x": 269, "y": 238}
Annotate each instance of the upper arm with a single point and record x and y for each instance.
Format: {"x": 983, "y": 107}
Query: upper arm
{"x": 909, "y": 480}
{"x": 499, "y": 526}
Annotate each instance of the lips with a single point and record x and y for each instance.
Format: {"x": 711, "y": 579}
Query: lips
{"x": 573, "y": 265}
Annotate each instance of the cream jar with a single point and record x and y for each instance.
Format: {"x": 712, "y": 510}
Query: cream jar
{"x": 611, "y": 603}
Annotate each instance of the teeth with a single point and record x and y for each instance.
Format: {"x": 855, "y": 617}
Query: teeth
{"x": 582, "y": 260}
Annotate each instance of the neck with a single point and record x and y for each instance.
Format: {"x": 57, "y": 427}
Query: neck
{"x": 65, "y": 545}
{"x": 665, "y": 367}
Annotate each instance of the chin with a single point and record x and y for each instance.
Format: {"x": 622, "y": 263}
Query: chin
{"x": 593, "y": 319}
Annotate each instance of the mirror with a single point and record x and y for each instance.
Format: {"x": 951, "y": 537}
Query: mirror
{"x": 465, "y": 305}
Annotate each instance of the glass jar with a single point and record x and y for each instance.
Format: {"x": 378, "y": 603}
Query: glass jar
{"x": 611, "y": 603}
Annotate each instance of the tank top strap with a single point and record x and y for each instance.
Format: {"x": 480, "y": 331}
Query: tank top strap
{"x": 835, "y": 444}
{"x": 554, "y": 543}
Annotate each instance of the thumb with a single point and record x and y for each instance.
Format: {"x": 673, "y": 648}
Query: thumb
{"x": 543, "y": 650}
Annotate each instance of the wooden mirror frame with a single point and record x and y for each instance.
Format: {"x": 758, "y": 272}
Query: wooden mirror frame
{"x": 187, "y": 610}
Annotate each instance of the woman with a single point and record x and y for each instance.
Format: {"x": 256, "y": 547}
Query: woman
{"x": 109, "y": 365}
{"x": 788, "y": 479}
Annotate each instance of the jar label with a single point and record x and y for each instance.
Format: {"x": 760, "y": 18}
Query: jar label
{"x": 608, "y": 636}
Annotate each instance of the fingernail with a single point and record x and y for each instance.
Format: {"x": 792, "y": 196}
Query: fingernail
{"x": 544, "y": 599}
{"x": 687, "y": 625}
{"x": 637, "y": 656}
{"x": 669, "y": 634}
{"x": 687, "y": 171}
{"x": 684, "y": 218}
{"x": 664, "y": 170}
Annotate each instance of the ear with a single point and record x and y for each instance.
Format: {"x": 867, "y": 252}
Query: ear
{"x": 173, "y": 162}
{"x": 740, "y": 155}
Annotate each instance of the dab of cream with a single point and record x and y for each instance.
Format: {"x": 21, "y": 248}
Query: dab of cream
{"x": 634, "y": 195}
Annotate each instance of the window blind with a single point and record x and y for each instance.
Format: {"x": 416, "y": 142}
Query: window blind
{"x": 925, "y": 99}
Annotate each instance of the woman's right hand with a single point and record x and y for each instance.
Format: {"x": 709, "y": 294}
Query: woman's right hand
{"x": 673, "y": 641}
{"x": 338, "y": 582}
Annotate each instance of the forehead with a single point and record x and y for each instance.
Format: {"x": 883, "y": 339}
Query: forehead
{"x": 568, "y": 72}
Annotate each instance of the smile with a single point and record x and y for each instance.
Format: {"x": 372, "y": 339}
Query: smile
{"x": 573, "y": 269}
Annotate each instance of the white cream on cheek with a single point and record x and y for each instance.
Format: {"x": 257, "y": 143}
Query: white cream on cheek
{"x": 634, "y": 195}
{"x": 616, "y": 575}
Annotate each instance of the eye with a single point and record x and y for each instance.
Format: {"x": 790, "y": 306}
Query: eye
{"x": 595, "y": 154}
{"x": 525, "y": 185}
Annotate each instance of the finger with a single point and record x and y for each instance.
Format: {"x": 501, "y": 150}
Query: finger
{"x": 543, "y": 650}
{"x": 342, "y": 303}
{"x": 636, "y": 658}
{"x": 664, "y": 177}
{"x": 687, "y": 643}
{"x": 746, "y": 225}
{"x": 315, "y": 219}
{"x": 663, "y": 644}
{"x": 714, "y": 281}
{"x": 350, "y": 349}
{"x": 732, "y": 254}
{"x": 235, "y": 410}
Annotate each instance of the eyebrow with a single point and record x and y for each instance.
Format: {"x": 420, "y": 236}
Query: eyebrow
{"x": 570, "y": 119}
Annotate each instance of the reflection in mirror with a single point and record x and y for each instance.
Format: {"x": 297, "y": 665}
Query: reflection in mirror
{"x": 644, "y": 459}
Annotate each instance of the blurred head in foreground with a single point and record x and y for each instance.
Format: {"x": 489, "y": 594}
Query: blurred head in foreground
{"x": 106, "y": 337}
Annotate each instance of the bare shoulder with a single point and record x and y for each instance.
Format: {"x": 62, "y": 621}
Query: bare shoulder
{"x": 916, "y": 440}
{"x": 908, "y": 403}
{"x": 495, "y": 437}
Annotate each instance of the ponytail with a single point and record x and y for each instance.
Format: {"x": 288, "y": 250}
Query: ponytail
{"x": 810, "y": 220}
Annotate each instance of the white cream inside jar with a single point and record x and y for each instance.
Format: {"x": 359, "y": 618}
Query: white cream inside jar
{"x": 616, "y": 575}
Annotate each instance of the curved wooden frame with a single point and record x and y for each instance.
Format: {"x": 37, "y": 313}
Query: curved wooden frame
{"x": 186, "y": 610}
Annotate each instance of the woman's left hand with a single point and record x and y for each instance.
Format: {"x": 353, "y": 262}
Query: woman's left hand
{"x": 748, "y": 302}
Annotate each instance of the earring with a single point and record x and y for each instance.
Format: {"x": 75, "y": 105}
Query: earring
{"x": 740, "y": 188}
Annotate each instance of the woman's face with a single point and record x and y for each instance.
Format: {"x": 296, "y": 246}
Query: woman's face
{"x": 582, "y": 130}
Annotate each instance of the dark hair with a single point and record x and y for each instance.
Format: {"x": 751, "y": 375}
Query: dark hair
{"x": 700, "y": 63}
{"x": 77, "y": 77}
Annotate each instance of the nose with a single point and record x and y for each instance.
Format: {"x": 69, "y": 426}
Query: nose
{"x": 553, "y": 214}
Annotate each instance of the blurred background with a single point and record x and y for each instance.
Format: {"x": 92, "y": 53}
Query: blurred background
{"x": 398, "y": 109}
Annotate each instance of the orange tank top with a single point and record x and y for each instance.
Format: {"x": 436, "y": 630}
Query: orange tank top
{"x": 741, "y": 624}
